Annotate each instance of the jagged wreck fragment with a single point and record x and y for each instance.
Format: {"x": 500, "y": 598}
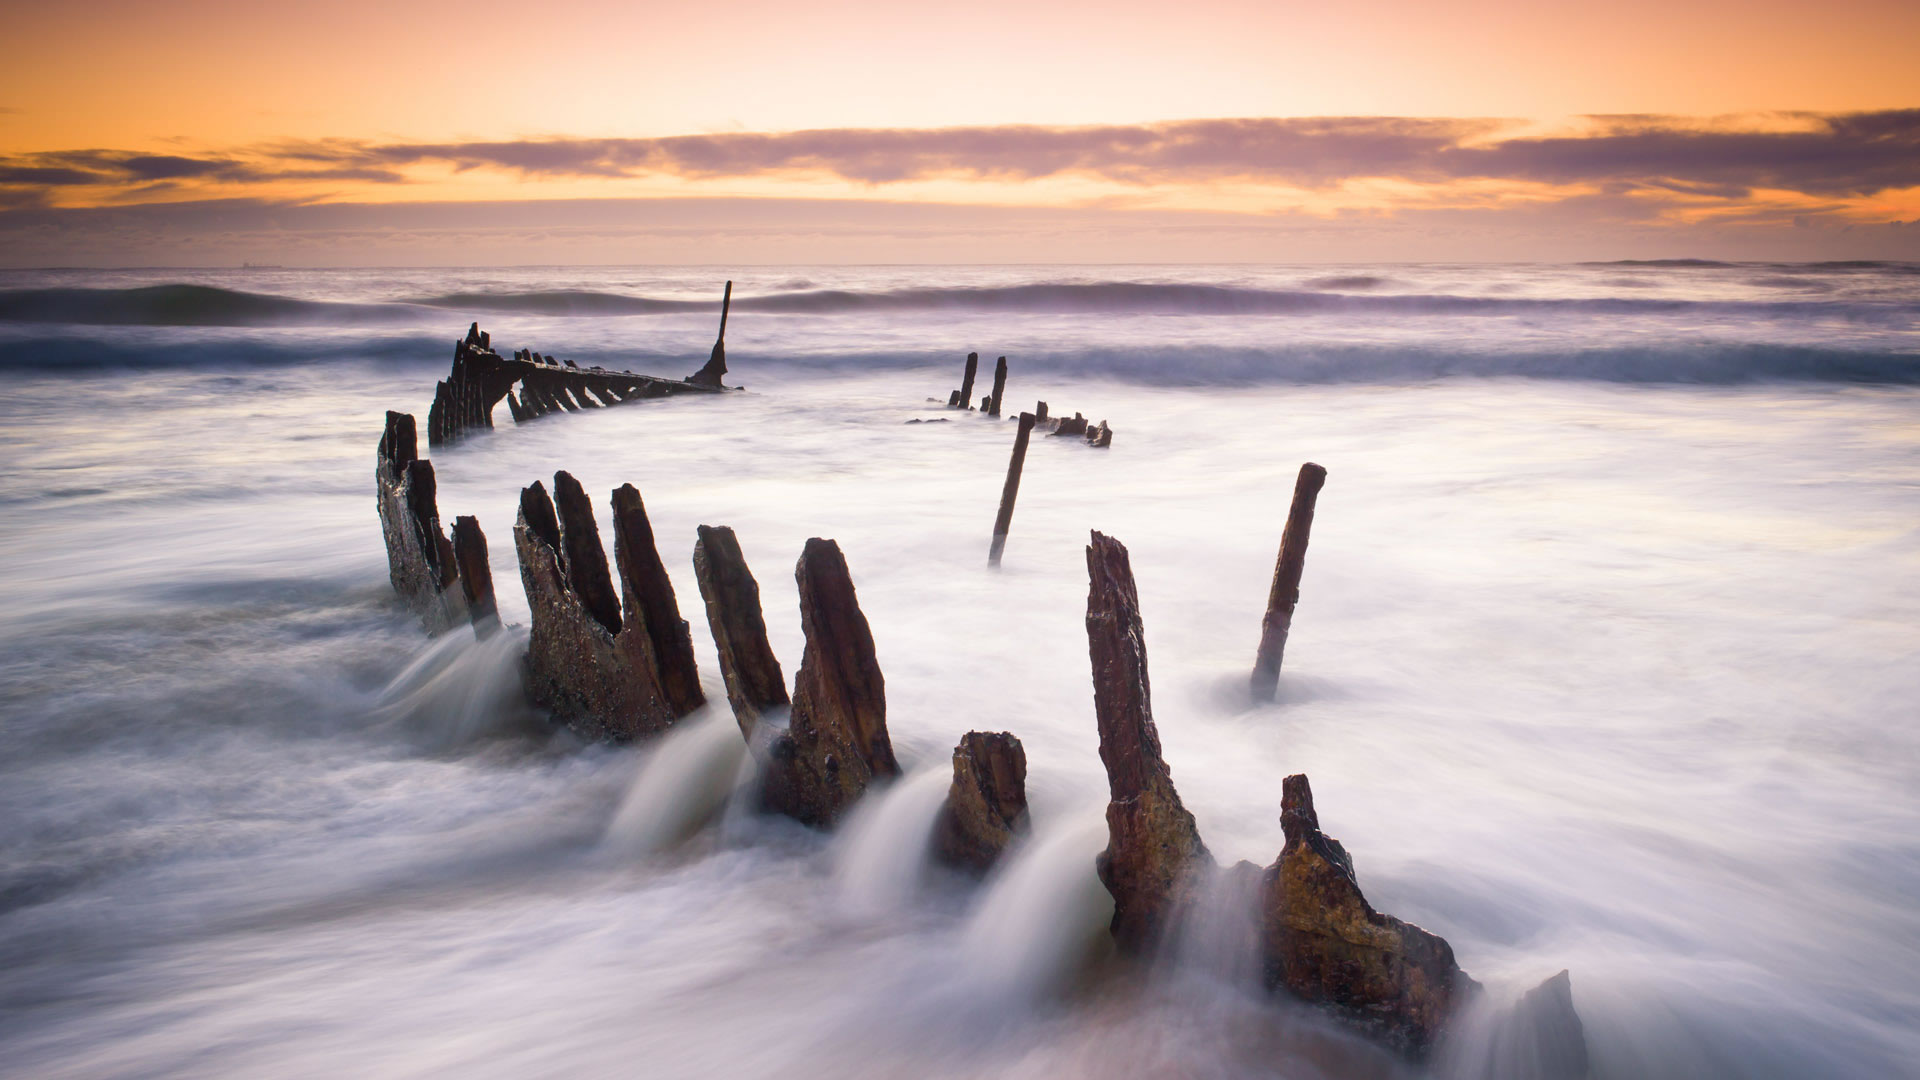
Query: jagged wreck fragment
{"x": 600, "y": 673}
{"x": 987, "y": 802}
{"x": 836, "y": 741}
{"x": 420, "y": 558}
{"x": 1153, "y": 845}
{"x": 1326, "y": 944}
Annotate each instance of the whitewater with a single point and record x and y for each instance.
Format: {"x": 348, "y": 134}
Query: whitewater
{"x": 1605, "y": 661}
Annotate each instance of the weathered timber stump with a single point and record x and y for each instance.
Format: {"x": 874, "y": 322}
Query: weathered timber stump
{"x": 837, "y": 741}
{"x": 755, "y": 685}
{"x": 1072, "y": 425}
{"x": 1284, "y": 593}
{"x": 476, "y": 577}
{"x": 1544, "y": 1035}
{"x": 987, "y": 802}
{"x": 1324, "y": 943}
{"x": 586, "y": 559}
{"x": 420, "y": 559}
{"x": 1003, "y": 521}
{"x": 966, "y": 380}
{"x": 1153, "y": 845}
{"x": 580, "y": 662}
{"x": 649, "y": 610}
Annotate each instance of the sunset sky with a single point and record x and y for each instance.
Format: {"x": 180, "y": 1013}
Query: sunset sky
{"x": 208, "y": 132}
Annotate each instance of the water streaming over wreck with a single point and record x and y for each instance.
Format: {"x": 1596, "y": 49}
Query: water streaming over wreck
{"x": 1605, "y": 661}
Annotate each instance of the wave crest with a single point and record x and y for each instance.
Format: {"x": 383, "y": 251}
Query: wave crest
{"x": 203, "y": 305}
{"x": 184, "y": 305}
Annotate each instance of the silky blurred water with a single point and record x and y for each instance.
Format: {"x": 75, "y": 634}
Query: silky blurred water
{"x": 1605, "y": 660}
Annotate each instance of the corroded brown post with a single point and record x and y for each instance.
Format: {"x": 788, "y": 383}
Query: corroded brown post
{"x": 752, "y": 673}
{"x": 648, "y": 604}
{"x": 1285, "y": 590}
{"x": 966, "y": 380}
{"x": 1011, "y": 490}
{"x": 987, "y": 802}
{"x": 1152, "y": 841}
{"x": 999, "y": 386}
{"x": 837, "y": 739}
{"x": 476, "y": 577}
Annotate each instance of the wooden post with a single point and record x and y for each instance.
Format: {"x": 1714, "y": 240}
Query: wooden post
{"x": 966, "y": 381}
{"x": 476, "y": 577}
{"x": 1040, "y": 412}
{"x": 1285, "y": 591}
{"x": 1012, "y": 489}
{"x": 999, "y": 385}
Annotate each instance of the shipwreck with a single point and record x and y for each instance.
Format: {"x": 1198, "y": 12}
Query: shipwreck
{"x": 535, "y": 385}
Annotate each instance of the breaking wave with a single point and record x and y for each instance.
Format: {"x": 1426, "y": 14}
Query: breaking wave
{"x": 201, "y": 305}
{"x": 561, "y": 302}
{"x": 1140, "y": 298}
{"x": 1704, "y": 363}
{"x": 186, "y": 305}
{"x": 72, "y": 353}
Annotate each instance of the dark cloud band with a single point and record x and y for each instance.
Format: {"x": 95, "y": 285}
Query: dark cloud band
{"x": 1826, "y": 155}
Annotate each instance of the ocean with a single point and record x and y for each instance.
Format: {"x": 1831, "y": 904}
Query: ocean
{"x": 1605, "y": 661}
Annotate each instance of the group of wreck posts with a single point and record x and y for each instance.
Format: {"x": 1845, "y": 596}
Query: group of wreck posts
{"x": 619, "y": 665}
